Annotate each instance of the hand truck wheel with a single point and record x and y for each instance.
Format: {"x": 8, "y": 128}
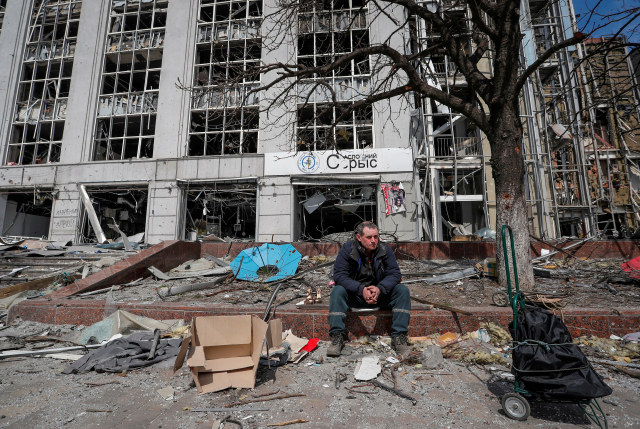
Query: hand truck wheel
{"x": 515, "y": 406}
{"x": 500, "y": 299}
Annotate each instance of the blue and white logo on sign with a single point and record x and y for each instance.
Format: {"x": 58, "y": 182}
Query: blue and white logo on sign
{"x": 308, "y": 162}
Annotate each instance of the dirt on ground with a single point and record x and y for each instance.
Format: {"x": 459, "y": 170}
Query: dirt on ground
{"x": 34, "y": 394}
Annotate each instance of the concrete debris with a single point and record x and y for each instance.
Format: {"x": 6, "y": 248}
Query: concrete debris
{"x": 176, "y": 290}
{"x": 432, "y": 357}
{"x": 497, "y": 335}
{"x": 367, "y": 368}
{"x": 166, "y": 393}
{"x": 212, "y": 272}
{"x": 29, "y": 353}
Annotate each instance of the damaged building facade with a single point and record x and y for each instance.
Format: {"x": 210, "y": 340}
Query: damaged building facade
{"x": 95, "y": 129}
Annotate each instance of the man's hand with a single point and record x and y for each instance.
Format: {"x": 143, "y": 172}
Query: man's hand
{"x": 371, "y": 294}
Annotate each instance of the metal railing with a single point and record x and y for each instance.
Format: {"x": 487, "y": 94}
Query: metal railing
{"x": 460, "y": 147}
{"x": 442, "y": 70}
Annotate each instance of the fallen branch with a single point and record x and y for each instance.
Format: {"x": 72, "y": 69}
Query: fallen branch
{"x": 440, "y": 306}
{"x": 352, "y": 390}
{"x": 616, "y": 363}
{"x": 396, "y": 391}
{"x": 260, "y": 395}
{"x": 292, "y": 395}
{"x": 219, "y": 292}
{"x": 102, "y": 384}
{"x": 278, "y": 283}
{"x": 404, "y": 360}
{"x": 554, "y": 247}
{"x": 292, "y": 422}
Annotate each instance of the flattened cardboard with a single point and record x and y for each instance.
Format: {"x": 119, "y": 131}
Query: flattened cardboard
{"x": 208, "y": 382}
{"x": 222, "y": 352}
{"x": 274, "y": 334}
{"x": 181, "y": 354}
{"x": 196, "y": 357}
{"x": 223, "y": 330}
{"x": 242, "y": 378}
{"x": 258, "y": 333}
{"x": 228, "y": 364}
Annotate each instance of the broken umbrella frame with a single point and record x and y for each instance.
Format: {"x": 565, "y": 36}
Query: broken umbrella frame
{"x": 516, "y": 404}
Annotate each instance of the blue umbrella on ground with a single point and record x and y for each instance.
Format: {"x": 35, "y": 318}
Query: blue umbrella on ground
{"x": 270, "y": 261}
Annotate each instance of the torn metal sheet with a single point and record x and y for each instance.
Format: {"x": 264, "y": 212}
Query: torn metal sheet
{"x": 351, "y": 208}
{"x": 27, "y": 353}
{"x": 279, "y": 261}
{"x": 216, "y": 260}
{"x": 123, "y": 236}
{"x": 314, "y": 202}
{"x": 117, "y": 246}
{"x": 189, "y": 288}
{"x": 93, "y": 217}
{"x": 213, "y": 272}
{"x": 8, "y": 242}
{"x": 14, "y": 272}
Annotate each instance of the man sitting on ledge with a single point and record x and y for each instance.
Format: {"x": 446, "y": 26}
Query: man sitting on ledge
{"x": 366, "y": 274}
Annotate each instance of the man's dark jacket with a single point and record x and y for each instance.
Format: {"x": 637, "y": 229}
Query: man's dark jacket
{"x": 349, "y": 264}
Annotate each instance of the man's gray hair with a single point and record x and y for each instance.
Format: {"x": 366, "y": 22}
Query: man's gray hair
{"x": 362, "y": 225}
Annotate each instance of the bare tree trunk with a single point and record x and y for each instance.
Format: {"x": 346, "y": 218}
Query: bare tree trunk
{"x": 508, "y": 173}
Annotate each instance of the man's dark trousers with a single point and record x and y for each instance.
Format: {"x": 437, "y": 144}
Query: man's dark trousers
{"x": 399, "y": 301}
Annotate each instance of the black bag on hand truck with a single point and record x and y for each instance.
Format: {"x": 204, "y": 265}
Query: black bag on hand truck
{"x": 547, "y": 363}
{"x": 547, "y": 366}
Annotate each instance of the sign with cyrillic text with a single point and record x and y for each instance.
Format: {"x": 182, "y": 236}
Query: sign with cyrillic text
{"x": 342, "y": 162}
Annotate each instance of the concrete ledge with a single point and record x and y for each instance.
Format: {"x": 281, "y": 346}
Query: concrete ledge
{"x": 164, "y": 256}
{"x": 312, "y": 323}
{"x": 442, "y": 250}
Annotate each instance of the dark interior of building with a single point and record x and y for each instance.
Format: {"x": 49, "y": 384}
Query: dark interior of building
{"x": 128, "y": 207}
{"x": 325, "y": 210}
{"x": 222, "y": 210}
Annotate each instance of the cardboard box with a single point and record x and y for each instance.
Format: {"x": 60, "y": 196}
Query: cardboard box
{"x": 489, "y": 267}
{"x": 225, "y": 350}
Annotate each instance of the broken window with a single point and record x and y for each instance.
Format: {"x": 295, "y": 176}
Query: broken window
{"x": 462, "y": 217}
{"x": 3, "y": 5}
{"x": 130, "y": 83}
{"x": 45, "y": 80}
{"x": 326, "y": 32}
{"x": 228, "y": 48}
{"x": 324, "y": 211}
{"x": 127, "y": 207}
{"x": 221, "y": 210}
{"x": 26, "y": 214}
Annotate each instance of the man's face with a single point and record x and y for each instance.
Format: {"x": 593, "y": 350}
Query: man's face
{"x": 369, "y": 238}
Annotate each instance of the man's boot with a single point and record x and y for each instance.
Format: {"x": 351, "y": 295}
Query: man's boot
{"x": 400, "y": 344}
{"x": 337, "y": 343}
